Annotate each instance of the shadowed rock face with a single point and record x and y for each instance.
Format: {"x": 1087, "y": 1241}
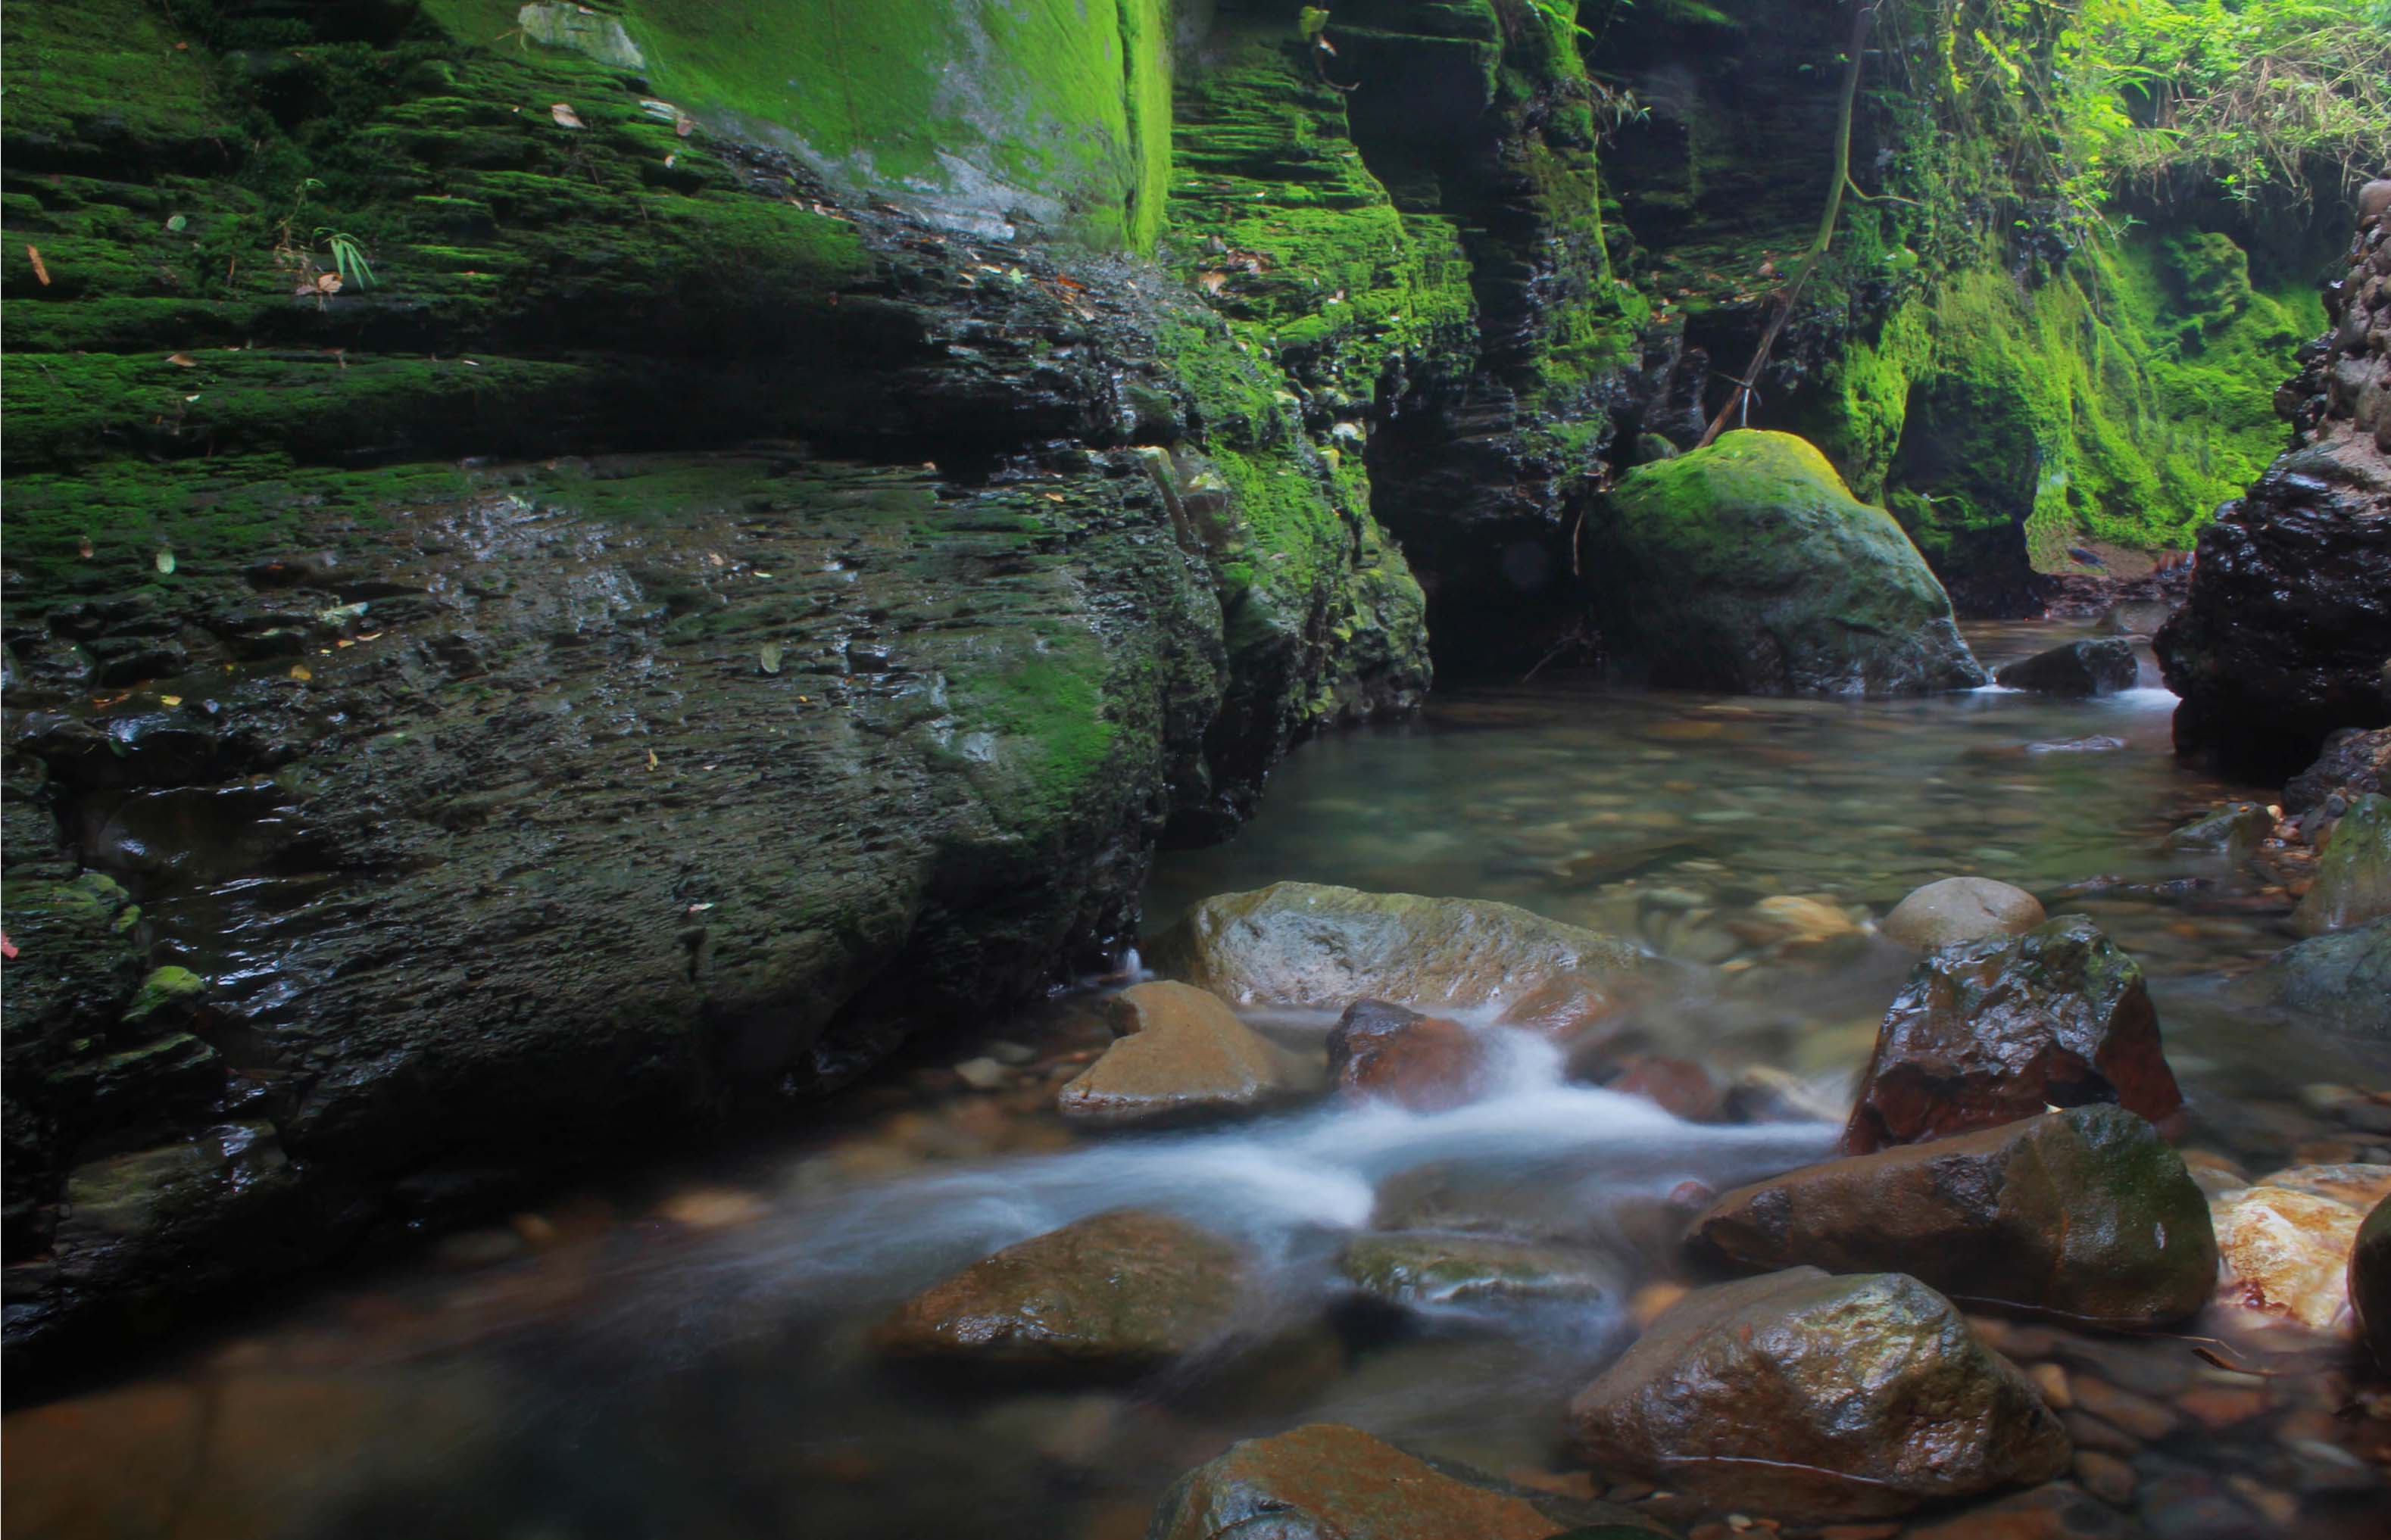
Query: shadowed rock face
{"x": 2370, "y": 1281}
{"x": 1997, "y": 1029}
{"x": 2086, "y": 1214}
{"x": 1810, "y": 1396}
{"x": 2287, "y": 633}
{"x": 1108, "y": 1297}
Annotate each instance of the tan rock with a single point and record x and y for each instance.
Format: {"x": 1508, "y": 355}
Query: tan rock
{"x": 2285, "y": 1242}
{"x": 1181, "y": 1053}
{"x": 1962, "y": 908}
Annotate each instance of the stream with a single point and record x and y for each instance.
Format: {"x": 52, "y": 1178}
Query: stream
{"x": 684, "y": 1353}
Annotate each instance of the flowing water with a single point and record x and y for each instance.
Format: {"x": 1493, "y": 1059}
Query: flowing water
{"x": 686, "y": 1356}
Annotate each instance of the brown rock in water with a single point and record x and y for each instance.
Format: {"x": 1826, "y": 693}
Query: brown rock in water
{"x": 2369, "y": 1281}
{"x": 1180, "y": 1053}
{"x": 1108, "y": 1297}
{"x": 1564, "y": 1008}
{"x": 1961, "y": 909}
{"x": 1997, "y": 1029}
{"x": 1300, "y": 943}
{"x": 1427, "y": 1063}
{"x": 1328, "y": 1481}
{"x": 2086, "y": 1214}
{"x": 1805, "y": 1397}
{"x": 2059, "y": 1511}
{"x": 1423, "y": 1269}
{"x": 2286, "y": 1242}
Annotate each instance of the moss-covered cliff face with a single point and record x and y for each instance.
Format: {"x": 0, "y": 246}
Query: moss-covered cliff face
{"x": 544, "y": 615}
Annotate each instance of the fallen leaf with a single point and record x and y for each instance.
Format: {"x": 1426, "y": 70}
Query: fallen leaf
{"x": 652, "y": 759}
{"x": 83, "y": 547}
{"x": 301, "y": 672}
{"x": 684, "y": 125}
{"x": 7, "y": 948}
{"x": 564, "y": 115}
{"x": 182, "y": 360}
{"x": 670, "y": 159}
{"x": 40, "y": 270}
{"x": 1211, "y": 283}
{"x": 170, "y": 699}
{"x": 165, "y": 562}
{"x": 699, "y": 909}
{"x": 328, "y": 283}
{"x": 771, "y": 657}
{"x": 177, "y": 222}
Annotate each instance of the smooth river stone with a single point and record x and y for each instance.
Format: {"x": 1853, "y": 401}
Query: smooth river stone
{"x": 1961, "y": 909}
{"x": 1428, "y": 1064}
{"x": 1180, "y": 1054}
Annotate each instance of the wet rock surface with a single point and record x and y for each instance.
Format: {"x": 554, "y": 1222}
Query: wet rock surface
{"x": 1180, "y": 1054}
{"x": 1997, "y": 1029}
{"x": 1427, "y": 1063}
{"x": 2283, "y": 638}
{"x": 2369, "y": 1281}
{"x": 1114, "y": 1296}
{"x": 2353, "y": 876}
{"x": 1302, "y": 943}
{"x": 1808, "y": 1396}
{"x": 2286, "y": 1242}
{"x": 2341, "y": 982}
{"x": 2084, "y": 1214}
{"x": 1748, "y": 565}
{"x": 1961, "y": 909}
{"x": 2096, "y": 666}
{"x": 1327, "y": 1482}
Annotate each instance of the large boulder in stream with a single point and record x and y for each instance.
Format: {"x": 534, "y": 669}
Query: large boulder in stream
{"x": 1109, "y": 1297}
{"x": 1305, "y": 944}
{"x": 1998, "y": 1030}
{"x": 2085, "y": 1214}
{"x": 1179, "y": 1054}
{"x": 1805, "y": 1397}
{"x": 1749, "y": 566}
{"x": 1329, "y": 1481}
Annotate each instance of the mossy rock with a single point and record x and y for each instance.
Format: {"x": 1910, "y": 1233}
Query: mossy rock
{"x": 167, "y": 993}
{"x": 2353, "y": 878}
{"x": 1749, "y": 566}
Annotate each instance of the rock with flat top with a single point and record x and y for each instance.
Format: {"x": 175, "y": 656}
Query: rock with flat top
{"x": 1181, "y": 1055}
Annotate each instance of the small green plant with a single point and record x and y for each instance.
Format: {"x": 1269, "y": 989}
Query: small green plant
{"x": 348, "y": 257}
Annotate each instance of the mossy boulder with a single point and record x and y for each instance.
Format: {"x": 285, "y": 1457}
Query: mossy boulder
{"x": 2341, "y": 980}
{"x": 1748, "y": 565}
{"x": 2086, "y": 1215}
{"x": 2353, "y": 878}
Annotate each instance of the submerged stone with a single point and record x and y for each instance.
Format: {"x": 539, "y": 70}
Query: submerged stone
{"x": 1301, "y": 944}
{"x": 1424, "y": 1270}
{"x": 2232, "y": 830}
{"x": 2286, "y": 1241}
{"x": 1748, "y": 565}
{"x": 2341, "y": 982}
{"x": 1115, "y": 1295}
{"x": 1328, "y": 1481}
{"x": 1805, "y": 1397}
{"x": 2100, "y": 665}
{"x": 2085, "y": 1214}
{"x": 1998, "y": 1030}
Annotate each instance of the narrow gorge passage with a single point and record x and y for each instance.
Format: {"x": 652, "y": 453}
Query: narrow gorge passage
{"x": 1410, "y": 771}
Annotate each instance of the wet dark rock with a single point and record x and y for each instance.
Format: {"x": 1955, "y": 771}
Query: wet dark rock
{"x": 1328, "y": 1481}
{"x": 1805, "y": 1396}
{"x": 1109, "y": 1297}
{"x": 2370, "y": 1282}
{"x": 2340, "y": 981}
{"x": 1961, "y": 909}
{"x": 2353, "y": 876}
{"x": 2086, "y": 1215}
{"x": 1422, "y": 1270}
{"x": 1748, "y": 565}
{"x": 1179, "y": 1053}
{"x": 1997, "y": 1029}
{"x": 2284, "y": 638}
{"x": 2098, "y": 743}
{"x": 1679, "y": 1086}
{"x": 2094, "y": 666}
{"x": 2352, "y": 764}
{"x": 1428, "y": 1064}
{"x": 1301, "y": 944}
